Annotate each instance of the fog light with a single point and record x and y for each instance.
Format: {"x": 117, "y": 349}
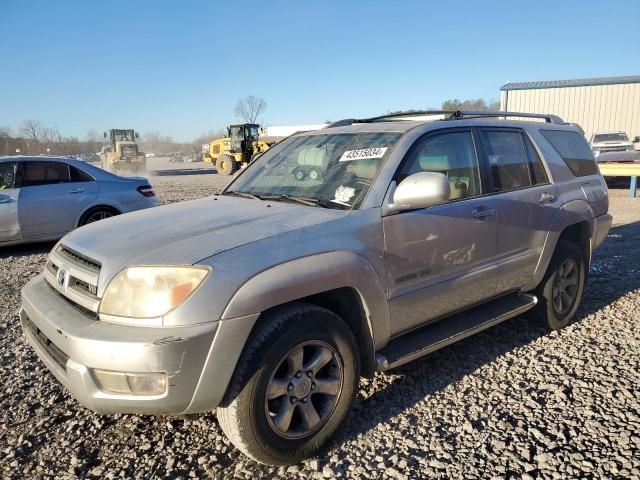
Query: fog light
{"x": 131, "y": 383}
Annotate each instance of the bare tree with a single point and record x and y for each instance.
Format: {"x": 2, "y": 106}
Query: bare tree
{"x": 31, "y": 130}
{"x": 250, "y": 108}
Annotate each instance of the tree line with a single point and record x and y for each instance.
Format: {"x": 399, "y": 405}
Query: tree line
{"x": 455, "y": 104}
{"x": 34, "y": 138}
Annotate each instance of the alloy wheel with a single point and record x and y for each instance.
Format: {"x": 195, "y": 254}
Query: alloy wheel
{"x": 565, "y": 286}
{"x": 304, "y": 389}
{"x": 101, "y": 215}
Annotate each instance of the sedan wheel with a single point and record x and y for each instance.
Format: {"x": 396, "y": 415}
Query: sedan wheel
{"x": 96, "y": 215}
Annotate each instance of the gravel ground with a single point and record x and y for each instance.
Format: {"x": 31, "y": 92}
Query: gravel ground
{"x": 509, "y": 402}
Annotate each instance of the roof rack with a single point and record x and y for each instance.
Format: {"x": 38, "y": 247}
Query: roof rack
{"x": 549, "y": 118}
{"x": 452, "y": 115}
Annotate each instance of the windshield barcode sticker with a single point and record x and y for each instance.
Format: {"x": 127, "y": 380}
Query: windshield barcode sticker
{"x": 363, "y": 154}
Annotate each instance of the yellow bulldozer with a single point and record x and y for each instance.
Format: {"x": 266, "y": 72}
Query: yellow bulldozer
{"x": 120, "y": 155}
{"x": 237, "y": 149}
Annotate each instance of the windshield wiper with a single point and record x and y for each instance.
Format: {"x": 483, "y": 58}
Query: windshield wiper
{"x": 241, "y": 194}
{"x": 312, "y": 202}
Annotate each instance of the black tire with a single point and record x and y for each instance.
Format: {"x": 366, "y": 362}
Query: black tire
{"x": 96, "y": 214}
{"x": 226, "y": 165}
{"x": 249, "y": 418}
{"x": 547, "y": 312}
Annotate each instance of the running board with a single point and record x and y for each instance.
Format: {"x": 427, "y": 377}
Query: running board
{"x": 442, "y": 333}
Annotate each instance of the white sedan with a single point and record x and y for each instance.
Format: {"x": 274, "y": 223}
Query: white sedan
{"x": 43, "y": 198}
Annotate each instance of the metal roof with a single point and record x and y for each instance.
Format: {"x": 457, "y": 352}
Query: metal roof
{"x": 578, "y": 82}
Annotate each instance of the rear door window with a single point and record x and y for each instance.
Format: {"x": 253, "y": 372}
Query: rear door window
{"x": 44, "y": 173}
{"x": 507, "y": 160}
{"x": 574, "y": 150}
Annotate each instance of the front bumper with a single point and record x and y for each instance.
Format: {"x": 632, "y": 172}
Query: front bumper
{"x": 198, "y": 360}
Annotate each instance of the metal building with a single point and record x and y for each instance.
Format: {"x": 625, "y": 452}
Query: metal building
{"x": 608, "y": 104}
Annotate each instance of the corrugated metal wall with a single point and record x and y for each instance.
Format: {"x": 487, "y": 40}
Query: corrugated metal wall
{"x": 599, "y": 108}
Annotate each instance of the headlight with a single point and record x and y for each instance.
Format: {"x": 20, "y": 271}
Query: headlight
{"x": 150, "y": 292}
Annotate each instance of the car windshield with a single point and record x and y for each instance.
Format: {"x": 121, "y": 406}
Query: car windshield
{"x": 610, "y": 137}
{"x": 328, "y": 170}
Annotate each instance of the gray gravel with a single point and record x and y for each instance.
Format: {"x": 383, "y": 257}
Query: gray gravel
{"x": 510, "y": 402}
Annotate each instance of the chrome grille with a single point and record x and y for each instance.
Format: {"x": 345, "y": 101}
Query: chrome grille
{"x": 76, "y": 257}
{"x": 52, "y": 267}
{"x": 621, "y": 148}
{"x": 75, "y": 277}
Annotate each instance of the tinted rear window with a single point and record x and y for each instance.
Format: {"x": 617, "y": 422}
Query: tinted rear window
{"x": 506, "y": 156}
{"x": 574, "y": 150}
{"x": 78, "y": 175}
{"x": 44, "y": 173}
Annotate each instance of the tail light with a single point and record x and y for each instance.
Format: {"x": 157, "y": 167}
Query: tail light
{"x": 146, "y": 191}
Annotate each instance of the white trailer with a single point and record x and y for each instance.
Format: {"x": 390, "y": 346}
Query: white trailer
{"x": 282, "y": 131}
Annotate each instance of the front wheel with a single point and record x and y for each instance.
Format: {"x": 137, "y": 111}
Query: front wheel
{"x": 560, "y": 291}
{"x": 293, "y": 385}
{"x": 226, "y": 165}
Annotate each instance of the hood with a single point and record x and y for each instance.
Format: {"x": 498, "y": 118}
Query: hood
{"x": 188, "y": 232}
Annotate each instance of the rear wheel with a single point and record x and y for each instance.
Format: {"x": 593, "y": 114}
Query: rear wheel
{"x": 96, "y": 214}
{"x": 293, "y": 385}
{"x": 226, "y": 165}
{"x": 560, "y": 291}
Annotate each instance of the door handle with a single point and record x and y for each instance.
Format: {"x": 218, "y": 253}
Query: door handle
{"x": 480, "y": 213}
{"x": 77, "y": 190}
{"x": 6, "y": 200}
{"x": 546, "y": 198}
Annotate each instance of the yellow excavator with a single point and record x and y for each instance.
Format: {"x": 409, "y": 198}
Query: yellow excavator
{"x": 237, "y": 149}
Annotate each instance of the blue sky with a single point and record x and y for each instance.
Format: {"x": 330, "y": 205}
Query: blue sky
{"x": 179, "y": 67}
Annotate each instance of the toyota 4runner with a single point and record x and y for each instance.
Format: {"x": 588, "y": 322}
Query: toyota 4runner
{"x": 270, "y": 300}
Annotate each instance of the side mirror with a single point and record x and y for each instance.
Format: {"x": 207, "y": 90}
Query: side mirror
{"x": 421, "y": 190}
{"x": 105, "y": 134}
{"x": 137, "y": 135}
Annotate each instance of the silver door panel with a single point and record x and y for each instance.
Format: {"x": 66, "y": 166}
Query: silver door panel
{"x": 9, "y": 224}
{"x": 523, "y": 222}
{"x": 439, "y": 260}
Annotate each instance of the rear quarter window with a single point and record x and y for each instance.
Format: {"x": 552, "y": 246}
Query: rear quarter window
{"x": 78, "y": 175}
{"x": 574, "y": 150}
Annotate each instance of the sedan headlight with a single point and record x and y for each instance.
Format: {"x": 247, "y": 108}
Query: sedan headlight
{"x": 150, "y": 291}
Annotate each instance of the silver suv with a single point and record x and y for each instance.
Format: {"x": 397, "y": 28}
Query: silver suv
{"x": 611, "y": 142}
{"x": 269, "y": 301}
